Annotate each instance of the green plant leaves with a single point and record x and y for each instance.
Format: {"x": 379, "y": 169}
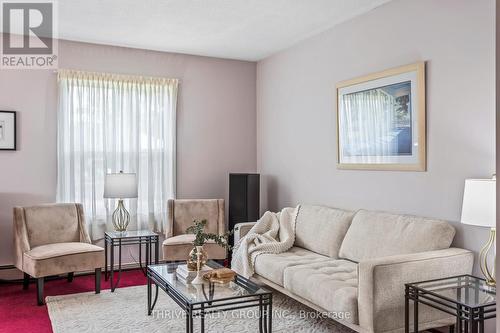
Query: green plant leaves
{"x": 201, "y": 237}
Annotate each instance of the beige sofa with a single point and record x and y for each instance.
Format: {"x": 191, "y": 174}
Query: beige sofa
{"x": 353, "y": 265}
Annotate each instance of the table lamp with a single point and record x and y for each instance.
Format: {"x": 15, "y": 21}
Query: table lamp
{"x": 479, "y": 209}
{"x": 120, "y": 186}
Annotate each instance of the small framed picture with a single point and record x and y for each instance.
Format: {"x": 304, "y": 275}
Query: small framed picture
{"x": 381, "y": 120}
{"x": 7, "y": 130}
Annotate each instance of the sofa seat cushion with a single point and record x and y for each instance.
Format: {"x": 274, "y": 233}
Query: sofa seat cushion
{"x": 272, "y": 266}
{"x": 178, "y": 248}
{"x": 331, "y": 284}
{"x": 59, "y": 258}
{"x": 321, "y": 229}
{"x": 378, "y": 234}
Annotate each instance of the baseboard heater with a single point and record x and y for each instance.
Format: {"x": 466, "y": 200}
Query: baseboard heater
{"x": 125, "y": 267}
{"x": 3, "y": 267}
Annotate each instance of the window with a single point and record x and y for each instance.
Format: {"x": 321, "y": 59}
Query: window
{"x": 108, "y": 123}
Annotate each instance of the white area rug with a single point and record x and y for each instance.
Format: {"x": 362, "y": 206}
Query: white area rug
{"x": 125, "y": 310}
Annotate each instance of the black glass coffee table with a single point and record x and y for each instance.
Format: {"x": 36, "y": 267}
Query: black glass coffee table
{"x": 200, "y": 300}
{"x": 468, "y": 298}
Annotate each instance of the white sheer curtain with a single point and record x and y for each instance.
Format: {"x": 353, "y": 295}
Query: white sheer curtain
{"x": 108, "y": 123}
{"x": 368, "y": 121}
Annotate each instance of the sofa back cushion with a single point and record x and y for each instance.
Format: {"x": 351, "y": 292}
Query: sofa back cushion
{"x": 377, "y": 234}
{"x": 321, "y": 229}
{"x": 52, "y": 223}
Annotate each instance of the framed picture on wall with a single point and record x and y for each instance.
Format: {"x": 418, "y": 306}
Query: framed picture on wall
{"x": 381, "y": 120}
{"x": 7, "y": 130}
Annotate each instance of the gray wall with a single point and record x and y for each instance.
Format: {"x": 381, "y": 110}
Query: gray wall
{"x": 296, "y": 133}
{"x": 215, "y": 124}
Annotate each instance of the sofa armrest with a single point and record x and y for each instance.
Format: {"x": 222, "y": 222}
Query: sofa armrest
{"x": 241, "y": 229}
{"x": 381, "y": 285}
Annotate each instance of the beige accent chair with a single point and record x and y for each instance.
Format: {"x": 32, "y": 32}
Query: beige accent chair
{"x": 353, "y": 265}
{"x": 181, "y": 214}
{"x": 52, "y": 239}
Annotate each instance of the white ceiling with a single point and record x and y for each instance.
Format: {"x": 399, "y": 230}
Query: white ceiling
{"x": 235, "y": 29}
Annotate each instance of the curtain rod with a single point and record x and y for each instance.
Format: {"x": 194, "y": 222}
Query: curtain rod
{"x": 56, "y": 71}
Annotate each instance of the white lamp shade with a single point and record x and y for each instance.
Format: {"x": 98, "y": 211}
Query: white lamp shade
{"x": 120, "y": 185}
{"x": 479, "y": 205}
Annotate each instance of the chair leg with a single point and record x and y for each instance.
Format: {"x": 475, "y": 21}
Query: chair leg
{"x": 71, "y": 276}
{"x": 39, "y": 291}
{"x": 97, "y": 280}
{"x": 26, "y": 281}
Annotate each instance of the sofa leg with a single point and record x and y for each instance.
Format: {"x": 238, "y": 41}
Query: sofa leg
{"x": 39, "y": 291}
{"x": 26, "y": 281}
{"x": 71, "y": 276}
{"x": 97, "y": 280}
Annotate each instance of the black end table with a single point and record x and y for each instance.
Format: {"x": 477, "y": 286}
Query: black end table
{"x": 114, "y": 239}
{"x": 466, "y": 297}
{"x": 209, "y": 297}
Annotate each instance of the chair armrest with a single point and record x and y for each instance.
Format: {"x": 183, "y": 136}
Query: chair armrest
{"x": 221, "y": 224}
{"x": 169, "y": 228}
{"x": 84, "y": 233}
{"x": 241, "y": 229}
{"x": 381, "y": 285}
{"x": 21, "y": 242}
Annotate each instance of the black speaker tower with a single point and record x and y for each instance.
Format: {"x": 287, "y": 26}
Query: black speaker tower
{"x": 244, "y": 197}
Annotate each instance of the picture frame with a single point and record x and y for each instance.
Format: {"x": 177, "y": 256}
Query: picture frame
{"x": 8, "y": 129}
{"x": 381, "y": 120}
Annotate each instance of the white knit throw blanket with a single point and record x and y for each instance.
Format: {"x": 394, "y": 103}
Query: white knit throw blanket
{"x": 273, "y": 233}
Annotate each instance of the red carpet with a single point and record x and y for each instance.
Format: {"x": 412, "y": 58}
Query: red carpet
{"x": 18, "y": 309}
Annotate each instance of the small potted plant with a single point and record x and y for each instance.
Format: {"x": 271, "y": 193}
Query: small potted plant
{"x": 201, "y": 237}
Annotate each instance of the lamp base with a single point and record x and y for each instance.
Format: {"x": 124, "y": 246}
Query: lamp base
{"x": 488, "y": 273}
{"x": 491, "y": 286}
{"x": 121, "y": 217}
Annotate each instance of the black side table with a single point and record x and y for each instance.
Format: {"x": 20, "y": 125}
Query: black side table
{"x": 466, "y": 297}
{"x": 114, "y": 239}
